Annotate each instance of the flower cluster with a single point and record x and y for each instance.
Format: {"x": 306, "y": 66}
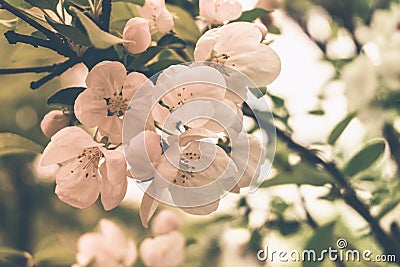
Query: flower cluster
{"x": 181, "y": 133}
{"x": 110, "y": 247}
{"x": 376, "y": 71}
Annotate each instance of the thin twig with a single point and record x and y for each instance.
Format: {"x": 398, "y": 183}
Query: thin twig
{"x": 61, "y": 68}
{"x": 48, "y": 33}
{"x": 13, "y": 38}
{"x": 106, "y": 6}
{"x": 42, "y": 69}
{"x": 310, "y": 220}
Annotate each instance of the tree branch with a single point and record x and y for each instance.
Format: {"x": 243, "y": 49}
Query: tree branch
{"x": 29, "y": 69}
{"x": 348, "y": 194}
{"x": 49, "y": 34}
{"x": 60, "y": 69}
{"x": 106, "y": 6}
{"x": 13, "y": 38}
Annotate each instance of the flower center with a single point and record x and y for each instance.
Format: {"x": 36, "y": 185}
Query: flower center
{"x": 89, "y": 161}
{"x": 117, "y": 105}
{"x": 185, "y": 169}
{"x": 220, "y": 59}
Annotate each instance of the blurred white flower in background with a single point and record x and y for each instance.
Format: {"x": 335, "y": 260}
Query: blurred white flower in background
{"x": 107, "y": 247}
{"x": 160, "y": 19}
{"x": 219, "y": 11}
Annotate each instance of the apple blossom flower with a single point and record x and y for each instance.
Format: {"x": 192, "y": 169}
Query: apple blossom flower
{"x": 88, "y": 169}
{"x": 54, "y": 121}
{"x": 186, "y": 163}
{"x": 106, "y": 99}
{"x": 160, "y": 19}
{"x": 263, "y": 29}
{"x": 383, "y": 29}
{"x": 137, "y": 30}
{"x": 166, "y": 221}
{"x": 237, "y": 46}
{"x": 163, "y": 250}
{"x": 107, "y": 247}
{"x": 219, "y": 11}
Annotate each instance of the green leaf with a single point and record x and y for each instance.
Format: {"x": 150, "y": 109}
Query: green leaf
{"x": 161, "y": 65}
{"x": 136, "y": 2}
{"x": 19, "y": 3}
{"x": 185, "y": 26}
{"x": 15, "y": 144}
{"x": 274, "y": 29}
{"x": 300, "y": 174}
{"x": 278, "y": 101}
{"x": 6, "y": 252}
{"x": 141, "y": 59}
{"x": 99, "y": 38}
{"x": 190, "y": 241}
{"x": 65, "y": 97}
{"x": 171, "y": 41}
{"x": 366, "y": 157}
{"x": 73, "y": 33}
{"x": 322, "y": 238}
{"x": 251, "y": 15}
{"x": 339, "y": 128}
{"x": 44, "y": 4}
{"x": 387, "y": 207}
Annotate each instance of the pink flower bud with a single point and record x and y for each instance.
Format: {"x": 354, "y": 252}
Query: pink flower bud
{"x": 166, "y": 221}
{"x": 263, "y": 29}
{"x": 54, "y": 121}
{"x": 137, "y": 30}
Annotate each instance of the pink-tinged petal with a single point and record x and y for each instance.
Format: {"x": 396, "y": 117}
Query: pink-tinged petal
{"x": 54, "y": 121}
{"x": 203, "y": 210}
{"x": 261, "y": 70}
{"x": 89, "y": 245}
{"x": 227, "y": 10}
{"x": 165, "y": 21}
{"x": 137, "y": 30}
{"x": 205, "y": 45}
{"x": 66, "y": 144}
{"x": 163, "y": 250}
{"x": 160, "y": 114}
{"x": 238, "y": 36}
{"x": 147, "y": 208}
{"x": 133, "y": 82}
{"x": 206, "y": 9}
{"x": 116, "y": 242}
{"x": 138, "y": 118}
{"x": 194, "y": 135}
{"x": 111, "y": 126}
{"x": 116, "y": 166}
{"x": 76, "y": 186}
{"x": 131, "y": 253}
{"x": 90, "y": 109}
{"x": 111, "y": 195}
{"x": 166, "y": 221}
{"x": 106, "y": 78}
{"x": 143, "y": 151}
{"x": 165, "y": 169}
{"x": 248, "y": 155}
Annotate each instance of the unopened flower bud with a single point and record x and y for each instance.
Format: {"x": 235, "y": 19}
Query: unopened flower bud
{"x": 54, "y": 121}
{"x": 166, "y": 221}
{"x": 263, "y": 29}
{"x": 137, "y": 30}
